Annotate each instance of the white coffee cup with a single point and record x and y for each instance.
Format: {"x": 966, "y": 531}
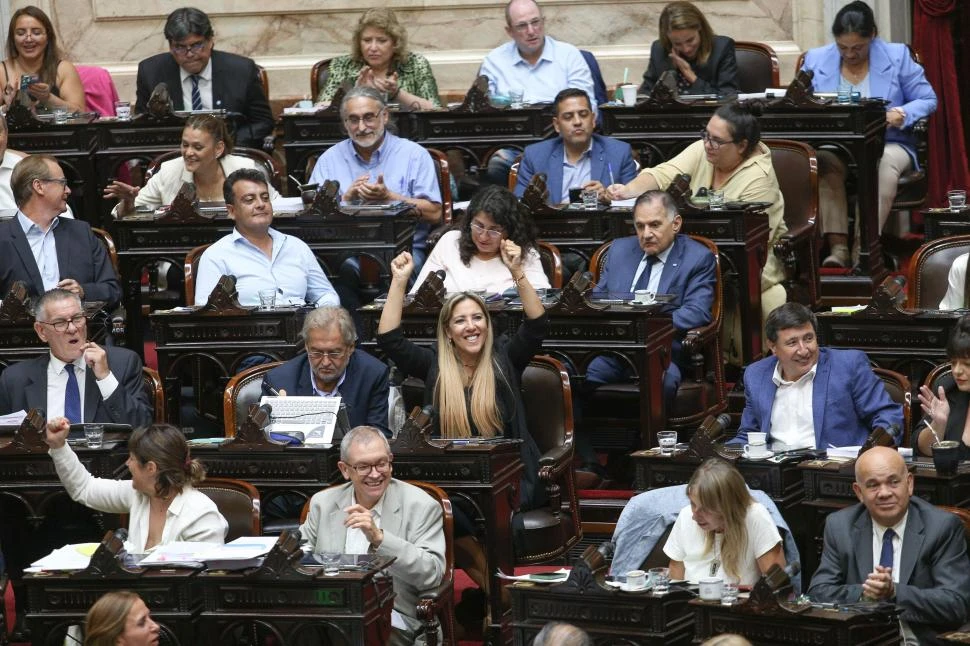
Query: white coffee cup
{"x": 757, "y": 437}
{"x": 644, "y": 297}
{"x": 637, "y": 580}
{"x": 710, "y": 588}
{"x": 755, "y": 450}
{"x": 629, "y": 94}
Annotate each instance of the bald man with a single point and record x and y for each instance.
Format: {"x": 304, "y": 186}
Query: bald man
{"x": 896, "y": 548}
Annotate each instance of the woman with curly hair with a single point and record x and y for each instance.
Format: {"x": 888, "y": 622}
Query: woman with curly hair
{"x": 471, "y": 255}
{"x": 380, "y": 59}
{"x": 161, "y": 500}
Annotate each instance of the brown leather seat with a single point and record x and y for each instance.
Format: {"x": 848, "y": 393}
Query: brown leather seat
{"x": 437, "y": 607}
{"x": 757, "y": 66}
{"x": 702, "y": 389}
{"x": 929, "y": 268}
{"x": 444, "y": 183}
{"x": 548, "y": 532}
{"x": 798, "y": 250}
{"x": 265, "y": 162}
{"x": 551, "y": 262}
{"x": 318, "y": 77}
{"x": 152, "y": 385}
{"x": 243, "y": 389}
{"x": 899, "y": 390}
{"x": 933, "y": 381}
{"x": 238, "y": 501}
{"x": 192, "y": 270}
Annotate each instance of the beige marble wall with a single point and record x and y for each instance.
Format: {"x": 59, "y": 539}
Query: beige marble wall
{"x": 288, "y": 36}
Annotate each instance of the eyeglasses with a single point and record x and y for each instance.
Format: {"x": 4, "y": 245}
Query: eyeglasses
{"x": 494, "y": 234}
{"x": 333, "y": 355}
{"x": 195, "y": 48}
{"x": 523, "y": 27}
{"x": 363, "y": 469}
{"x": 713, "y": 142}
{"x": 59, "y": 180}
{"x": 61, "y": 325}
{"x": 369, "y": 119}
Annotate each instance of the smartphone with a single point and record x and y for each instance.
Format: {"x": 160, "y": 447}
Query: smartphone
{"x": 27, "y": 79}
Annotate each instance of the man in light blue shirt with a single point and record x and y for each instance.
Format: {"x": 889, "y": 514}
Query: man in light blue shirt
{"x": 259, "y": 256}
{"x": 532, "y": 62}
{"x": 374, "y": 165}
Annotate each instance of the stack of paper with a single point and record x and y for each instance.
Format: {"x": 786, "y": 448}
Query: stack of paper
{"x": 69, "y": 557}
{"x": 843, "y": 452}
{"x": 239, "y": 554}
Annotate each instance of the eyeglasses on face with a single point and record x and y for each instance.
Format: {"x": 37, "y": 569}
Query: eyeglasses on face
{"x": 194, "y": 48}
{"x": 57, "y": 180}
{"x": 363, "y": 469}
{"x": 523, "y": 27}
{"x": 61, "y": 325}
{"x": 331, "y": 354}
{"x": 713, "y": 142}
{"x": 369, "y": 119}
{"x": 478, "y": 229}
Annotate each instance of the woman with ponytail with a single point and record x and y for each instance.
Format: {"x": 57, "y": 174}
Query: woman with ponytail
{"x": 946, "y": 410}
{"x": 160, "y": 499}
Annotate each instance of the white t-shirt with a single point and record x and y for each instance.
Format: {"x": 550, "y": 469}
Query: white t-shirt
{"x": 687, "y": 542}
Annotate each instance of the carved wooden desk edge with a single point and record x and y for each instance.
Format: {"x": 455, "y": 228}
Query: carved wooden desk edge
{"x": 251, "y": 436}
{"x": 29, "y": 436}
{"x": 224, "y": 299}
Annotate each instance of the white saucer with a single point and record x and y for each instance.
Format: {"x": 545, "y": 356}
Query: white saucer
{"x": 769, "y": 454}
{"x": 639, "y": 304}
{"x": 627, "y": 588}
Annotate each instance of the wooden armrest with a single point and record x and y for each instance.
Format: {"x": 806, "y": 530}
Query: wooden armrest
{"x": 435, "y": 234}
{"x": 428, "y": 607}
{"x": 556, "y": 457}
{"x": 698, "y": 337}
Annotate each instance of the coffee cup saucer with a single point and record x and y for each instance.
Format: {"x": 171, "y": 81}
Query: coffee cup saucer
{"x": 627, "y": 588}
{"x": 763, "y": 456}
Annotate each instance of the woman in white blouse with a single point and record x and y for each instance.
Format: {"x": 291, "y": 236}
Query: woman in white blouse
{"x": 206, "y": 162}
{"x": 723, "y": 532}
{"x": 160, "y": 499}
{"x": 471, "y": 255}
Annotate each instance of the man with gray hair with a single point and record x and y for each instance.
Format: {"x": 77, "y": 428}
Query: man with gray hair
{"x": 78, "y": 379}
{"x": 556, "y": 633}
{"x": 376, "y": 166}
{"x": 376, "y": 514}
{"x": 332, "y": 367}
{"x": 200, "y": 78}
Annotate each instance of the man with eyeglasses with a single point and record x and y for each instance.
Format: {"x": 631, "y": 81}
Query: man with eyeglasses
{"x": 376, "y": 514}
{"x": 78, "y": 379}
{"x": 331, "y": 367}
{"x": 810, "y": 397}
{"x": 533, "y": 63}
{"x": 259, "y": 256}
{"x": 201, "y": 78}
{"x": 44, "y": 250}
{"x": 578, "y": 158}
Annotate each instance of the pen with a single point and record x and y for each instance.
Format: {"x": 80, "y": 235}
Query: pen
{"x": 273, "y": 391}
{"x": 610, "y": 167}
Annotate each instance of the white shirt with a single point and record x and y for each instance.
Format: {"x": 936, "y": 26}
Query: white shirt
{"x": 57, "y": 385}
{"x": 356, "y": 542}
{"x": 205, "y": 87}
{"x": 953, "y": 300}
{"x": 877, "y": 534}
{"x": 792, "y": 419}
{"x": 688, "y": 543}
{"x": 653, "y": 284}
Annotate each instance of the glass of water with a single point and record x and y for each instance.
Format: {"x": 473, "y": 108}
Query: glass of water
{"x": 845, "y": 93}
{"x": 715, "y": 199}
{"x": 331, "y": 563}
{"x": 667, "y": 440}
{"x": 957, "y": 199}
{"x": 660, "y": 576}
{"x": 94, "y": 433}
{"x": 590, "y": 199}
{"x": 729, "y": 593}
{"x": 267, "y": 299}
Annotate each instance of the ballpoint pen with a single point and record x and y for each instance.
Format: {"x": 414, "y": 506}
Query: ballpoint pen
{"x": 609, "y": 166}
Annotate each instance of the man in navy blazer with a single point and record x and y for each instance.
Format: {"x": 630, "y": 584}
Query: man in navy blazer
{"x": 43, "y": 250}
{"x": 921, "y": 567}
{"x": 661, "y": 260}
{"x": 806, "y": 396}
{"x": 577, "y": 158}
{"x": 332, "y": 367}
{"x": 224, "y": 81}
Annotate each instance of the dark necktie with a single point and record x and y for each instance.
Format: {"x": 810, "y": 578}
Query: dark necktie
{"x": 886, "y": 557}
{"x": 72, "y": 397}
{"x": 644, "y": 279}
{"x": 196, "y": 95}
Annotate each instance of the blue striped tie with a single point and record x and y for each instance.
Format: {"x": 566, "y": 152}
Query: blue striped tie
{"x": 196, "y": 95}
{"x": 72, "y": 397}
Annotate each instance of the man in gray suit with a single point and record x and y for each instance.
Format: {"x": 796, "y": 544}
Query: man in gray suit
{"x": 895, "y": 548}
{"x": 78, "y": 379}
{"x": 375, "y": 514}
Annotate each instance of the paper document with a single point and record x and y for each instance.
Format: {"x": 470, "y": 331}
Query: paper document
{"x": 846, "y": 452}
{"x": 69, "y": 557}
{"x": 13, "y": 419}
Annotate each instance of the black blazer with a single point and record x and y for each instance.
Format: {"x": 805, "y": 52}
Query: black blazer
{"x": 23, "y": 386}
{"x": 364, "y": 390}
{"x": 235, "y": 88}
{"x": 719, "y": 75}
{"x": 80, "y": 256}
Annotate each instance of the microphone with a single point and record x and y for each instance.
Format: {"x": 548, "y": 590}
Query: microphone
{"x": 715, "y": 426}
{"x": 121, "y": 534}
{"x": 440, "y": 273}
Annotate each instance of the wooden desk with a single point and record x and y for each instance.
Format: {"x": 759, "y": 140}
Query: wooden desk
{"x": 816, "y": 627}
{"x": 212, "y": 346}
{"x": 144, "y": 241}
{"x": 485, "y": 477}
{"x": 660, "y": 132}
{"x": 473, "y": 133}
{"x": 608, "y": 615}
{"x": 940, "y": 223}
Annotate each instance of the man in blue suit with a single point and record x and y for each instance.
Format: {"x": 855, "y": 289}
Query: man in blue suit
{"x": 806, "y": 396}
{"x": 577, "y": 158}
{"x": 661, "y": 260}
{"x": 332, "y": 367}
